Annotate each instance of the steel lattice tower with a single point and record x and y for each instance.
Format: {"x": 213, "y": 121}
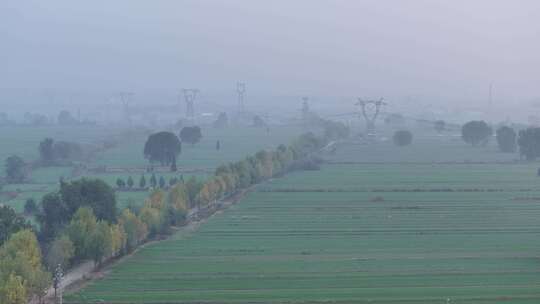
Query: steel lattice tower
{"x": 373, "y": 106}
{"x": 189, "y": 98}
{"x": 241, "y": 90}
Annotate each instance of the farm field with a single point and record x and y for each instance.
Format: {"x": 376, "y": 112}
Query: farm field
{"x": 235, "y": 144}
{"x": 126, "y": 159}
{"x": 373, "y": 233}
{"x": 448, "y": 147}
{"x": 24, "y": 140}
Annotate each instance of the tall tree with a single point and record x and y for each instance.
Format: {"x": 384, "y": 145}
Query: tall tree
{"x": 15, "y": 169}
{"x": 21, "y": 256}
{"x": 142, "y": 182}
{"x": 10, "y": 223}
{"x": 163, "y": 147}
{"x": 529, "y": 143}
{"x": 153, "y": 181}
{"x": 93, "y": 193}
{"x": 506, "y": 139}
{"x": 30, "y": 207}
{"x": 80, "y": 231}
{"x": 476, "y": 132}
{"x": 14, "y": 291}
{"x": 162, "y": 182}
{"x": 136, "y": 231}
{"x": 118, "y": 239}
{"x": 120, "y": 183}
{"x": 53, "y": 216}
{"x": 193, "y": 187}
{"x": 100, "y": 242}
{"x": 40, "y": 282}
{"x": 46, "y": 150}
{"x": 130, "y": 182}
{"x": 60, "y": 253}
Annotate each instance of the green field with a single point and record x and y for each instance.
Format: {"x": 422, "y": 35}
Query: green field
{"x": 198, "y": 160}
{"x": 364, "y": 233}
{"x": 236, "y": 143}
{"x": 24, "y": 140}
{"x": 425, "y": 148}
{"x": 434, "y": 222}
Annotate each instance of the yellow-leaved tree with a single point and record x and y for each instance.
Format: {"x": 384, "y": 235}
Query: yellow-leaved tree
{"x": 14, "y": 291}
{"x": 20, "y": 264}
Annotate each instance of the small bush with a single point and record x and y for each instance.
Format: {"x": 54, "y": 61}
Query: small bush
{"x": 402, "y": 138}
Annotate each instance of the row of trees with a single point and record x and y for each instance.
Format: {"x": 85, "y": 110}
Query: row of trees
{"x": 64, "y": 118}
{"x": 51, "y": 151}
{"x": 528, "y": 140}
{"x": 80, "y": 220}
{"x": 164, "y": 209}
{"x": 265, "y": 164}
{"x": 88, "y": 236}
{"x": 153, "y": 182}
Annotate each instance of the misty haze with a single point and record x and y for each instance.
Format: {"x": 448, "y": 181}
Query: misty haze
{"x": 227, "y": 151}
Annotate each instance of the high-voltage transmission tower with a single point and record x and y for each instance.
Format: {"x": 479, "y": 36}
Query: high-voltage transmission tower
{"x": 189, "y": 98}
{"x": 241, "y": 90}
{"x": 370, "y": 112}
{"x": 125, "y": 99}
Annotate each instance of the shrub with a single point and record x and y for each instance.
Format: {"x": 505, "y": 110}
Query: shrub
{"x": 402, "y": 138}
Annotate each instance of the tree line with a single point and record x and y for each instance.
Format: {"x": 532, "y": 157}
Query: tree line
{"x": 153, "y": 182}
{"x": 80, "y": 221}
{"x": 478, "y": 133}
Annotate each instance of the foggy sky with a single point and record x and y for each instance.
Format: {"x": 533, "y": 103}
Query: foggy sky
{"x": 442, "y": 49}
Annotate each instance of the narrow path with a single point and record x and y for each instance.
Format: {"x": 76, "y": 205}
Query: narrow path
{"x": 86, "y": 270}
{"x": 74, "y": 275}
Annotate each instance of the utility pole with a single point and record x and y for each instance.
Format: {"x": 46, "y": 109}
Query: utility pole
{"x": 57, "y": 281}
{"x": 241, "y": 90}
